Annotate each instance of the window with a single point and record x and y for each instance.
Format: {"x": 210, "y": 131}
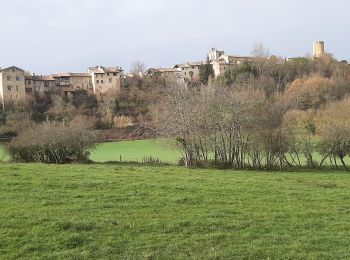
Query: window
{"x": 97, "y": 81}
{"x": 17, "y": 78}
{"x": 17, "y": 97}
{"x": 102, "y": 81}
{"x": 110, "y": 80}
{"x": 17, "y": 88}
{"x": 114, "y": 74}
{"x": 8, "y": 78}
{"x": 9, "y": 88}
{"x": 29, "y": 90}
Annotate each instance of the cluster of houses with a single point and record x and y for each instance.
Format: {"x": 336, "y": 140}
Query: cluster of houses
{"x": 17, "y": 85}
{"x": 220, "y": 62}
{"x": 189, "y": 71}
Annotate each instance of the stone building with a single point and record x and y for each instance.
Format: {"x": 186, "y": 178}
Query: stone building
{"x": 106, "y": 80}
{"x": 34, "y": 88}
{"x": 34, "y": 84}
{"x": 214, "y": 54}
{"x": 220, "y": 62}
{"x": 169, "y": 74}
{"x": 220, "y": 66}
{"x": 49, "y": 84}
{"x": 190, "y": 70}
{"x": 12, "y": 86}
{"x": 226, "y": 62}
{"x": 69, "y": 83}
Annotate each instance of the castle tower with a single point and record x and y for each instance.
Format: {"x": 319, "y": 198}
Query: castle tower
{"x": 318, "y": 49}
{"x": 214, "y": 54}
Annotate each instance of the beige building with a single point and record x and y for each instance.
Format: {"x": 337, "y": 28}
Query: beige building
{"x": 214, "y": 54}
{"x": 49, "y": 84}
{"x": 220, "y": 66}
{"x": 226, "y": 62}
{"x": 169, "y": 74}
{"x": 219, "y": 61}
{"x": 68, "y": 83}
{"x": 12, "y": 85}
{"x": 222, "y": 62}
{"x": 190, "y": 70}
{"x": 34, "y": 84}
{"x": 106, "y": 80}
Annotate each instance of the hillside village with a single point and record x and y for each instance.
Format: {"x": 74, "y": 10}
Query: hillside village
{"x": 20, "y": 86}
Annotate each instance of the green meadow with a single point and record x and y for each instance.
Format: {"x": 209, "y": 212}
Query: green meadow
{"x": 4, "y": 157}
{"x": 136, "y": 151}
{"x": 131, "y": 211}
{"x": 127, "y": 151}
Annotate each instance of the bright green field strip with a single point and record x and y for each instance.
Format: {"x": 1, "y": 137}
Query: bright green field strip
{"x": 135, "y": 151}
{"x": 4, "y": 157}
{"x": 134, "y": 212}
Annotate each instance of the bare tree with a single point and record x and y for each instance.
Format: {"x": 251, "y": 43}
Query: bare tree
{"x": 260, "y": 51}
{"x": 137, "y": 67}
{"x": 333, "y": 123}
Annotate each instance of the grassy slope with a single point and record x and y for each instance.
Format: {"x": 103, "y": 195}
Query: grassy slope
{"x": 137, "y": 212}
{"x": 135, "y": 151}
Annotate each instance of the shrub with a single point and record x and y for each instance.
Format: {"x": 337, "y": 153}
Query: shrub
{"x": 151, "y": 160}
{"x": 49, "y": 143}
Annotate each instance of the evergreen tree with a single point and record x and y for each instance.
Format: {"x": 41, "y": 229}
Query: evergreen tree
{"x": 205, "y": 72}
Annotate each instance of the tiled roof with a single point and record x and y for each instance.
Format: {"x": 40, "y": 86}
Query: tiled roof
{"x": 48, "y": 78}
{"x": 58, "y": 75}
{"x": 152, "y": 70}
{"x": 10, "y": 68}
{"x": 189, "y": 64}
{"x": 33, "y": 77}
{"x": 70, "y": 74}
{"x": 101, "y": 69}
{"x": 80, "y": 74}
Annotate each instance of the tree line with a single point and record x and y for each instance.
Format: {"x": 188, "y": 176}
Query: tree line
{"x": 263, "y": 115}
{"x": 266, "y": 113}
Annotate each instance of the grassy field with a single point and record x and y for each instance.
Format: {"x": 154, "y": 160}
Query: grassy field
{"x": 120, "y": 211}
{"x": 135, "y": 151}
{"x": 128, "y": 151}
{"x": 4, "y": 157}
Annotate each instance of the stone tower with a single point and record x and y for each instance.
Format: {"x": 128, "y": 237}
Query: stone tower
{"x": 214, "y": 54}
{"x": 318, "y": 50}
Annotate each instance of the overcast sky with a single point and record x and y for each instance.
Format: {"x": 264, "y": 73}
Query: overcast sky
{"x": 47, "y": 36}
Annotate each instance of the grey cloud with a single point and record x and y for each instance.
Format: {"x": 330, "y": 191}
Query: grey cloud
{"x": 47, "y": 36}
